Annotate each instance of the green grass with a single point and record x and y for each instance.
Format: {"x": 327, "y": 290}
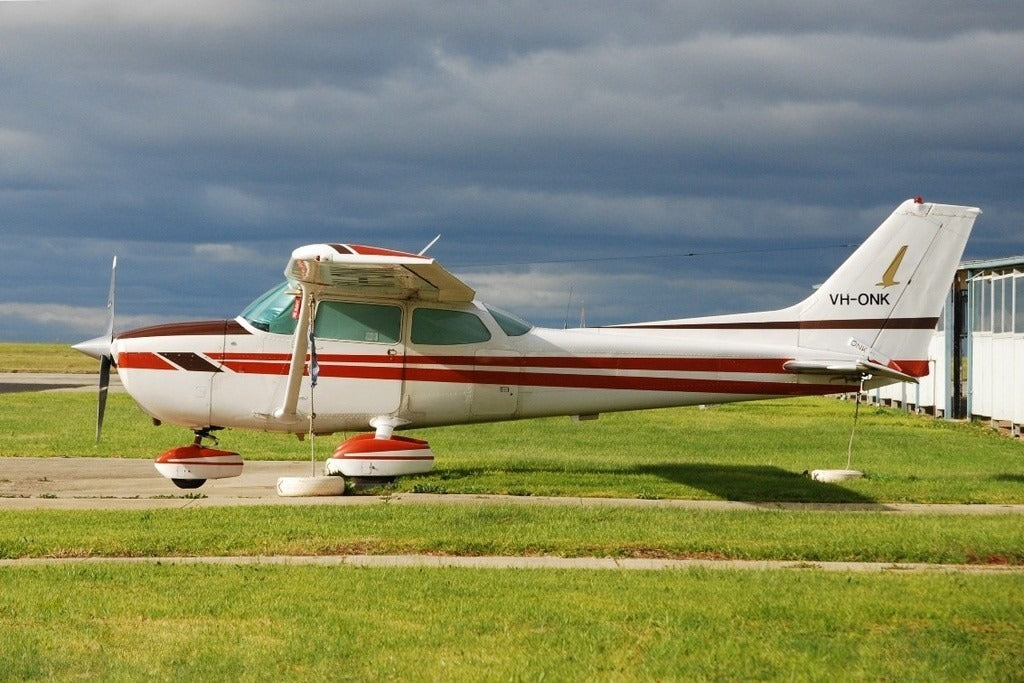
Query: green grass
{"x": 514, "y": 530}
{"x": 751, "y": 451}
{"x": 311, "y": 623}
{"x": 116, "y": 622}
{"x": 33, "y": 357}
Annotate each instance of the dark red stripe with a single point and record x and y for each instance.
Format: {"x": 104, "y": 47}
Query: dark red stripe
{"x": 758, "y": 365}
{"x": 667, "y": 364}
{"x": 560, "y": 381}
{"x": 210, "y": 327}
{"x": 382, "y": 456}
{"x": 192, "y": 362}
{"x": 914, "y": 368}
{"x": 849, "y": 324}
{"x": 364, "y": 250}
{"x": 444, "y": 369}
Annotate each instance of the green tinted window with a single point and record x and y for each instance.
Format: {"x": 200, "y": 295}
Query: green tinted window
{"x": 981, "y": 304}
{"x": 440, "y": 326}
{"x": 272, "y": 312}
{"x": 510, "y": 324}
{"x": 358, "y": 322}
{"x": 1018, "y": 321}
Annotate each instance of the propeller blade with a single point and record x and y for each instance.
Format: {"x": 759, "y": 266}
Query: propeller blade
{"x": 101, "y": 348}
{"x": 101, "y": 406}
{"x": 110, "y": 301}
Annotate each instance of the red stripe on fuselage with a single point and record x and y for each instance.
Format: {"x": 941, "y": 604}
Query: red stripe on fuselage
{"x": 522, "y": 371}
{"x": 189, "y": 329}
{"x": 846, "y": 324}
{"x": 141, "y": 360}
{"x": 914, "y": 368}
{"x": 664, "y": 364}
{"x": 628, "y": 383}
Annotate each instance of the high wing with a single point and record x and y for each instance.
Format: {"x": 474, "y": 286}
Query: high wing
{"x": 355, "y": 270}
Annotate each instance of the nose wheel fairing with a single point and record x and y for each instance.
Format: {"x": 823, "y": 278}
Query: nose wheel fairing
{"x": 190, "y": 466}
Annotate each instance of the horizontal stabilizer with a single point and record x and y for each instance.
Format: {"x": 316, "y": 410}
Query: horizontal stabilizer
{"x": 846, "y": 369}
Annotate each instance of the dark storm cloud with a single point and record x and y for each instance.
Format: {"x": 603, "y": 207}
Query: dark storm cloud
{"x": 203, "y": 141}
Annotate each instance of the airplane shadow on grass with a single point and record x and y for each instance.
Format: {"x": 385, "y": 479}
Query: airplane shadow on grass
{"x": 753, "y": 483}
{"x": 743, "y": 483}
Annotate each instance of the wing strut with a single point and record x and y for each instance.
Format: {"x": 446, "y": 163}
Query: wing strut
{"x": 300, "y": 346}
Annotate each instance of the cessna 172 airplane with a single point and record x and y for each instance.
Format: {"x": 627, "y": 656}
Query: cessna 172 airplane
{"x": 362, "y": 337}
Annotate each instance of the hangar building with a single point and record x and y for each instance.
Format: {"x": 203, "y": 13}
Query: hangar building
{"x": 977, "y": 353}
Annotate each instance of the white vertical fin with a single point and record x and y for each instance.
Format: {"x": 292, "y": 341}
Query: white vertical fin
{"x": 888, "y": 295}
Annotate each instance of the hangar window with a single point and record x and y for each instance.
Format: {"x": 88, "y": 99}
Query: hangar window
{"x": 357, "y": 322}
{"x": 997, "y": 305}
{"x": 981, "y": 307}
{"x": 442, "y": 326}
{"x": 1018, "y": 308}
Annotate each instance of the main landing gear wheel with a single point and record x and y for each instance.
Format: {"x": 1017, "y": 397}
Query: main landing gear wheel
{"x": 188, "y": 483}
{"x": 294, "y": 487}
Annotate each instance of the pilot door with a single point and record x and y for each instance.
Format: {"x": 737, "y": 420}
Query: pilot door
{"x": 361, "y": 358}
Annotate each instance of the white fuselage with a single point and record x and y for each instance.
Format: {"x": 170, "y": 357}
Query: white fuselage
{"x": 232, "y": 374}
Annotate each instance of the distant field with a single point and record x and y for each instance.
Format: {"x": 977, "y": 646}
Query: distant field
{"x": 44, "y": 358}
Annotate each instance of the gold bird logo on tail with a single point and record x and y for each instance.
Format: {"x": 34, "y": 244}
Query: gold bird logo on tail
{"x": 889, "y": 276}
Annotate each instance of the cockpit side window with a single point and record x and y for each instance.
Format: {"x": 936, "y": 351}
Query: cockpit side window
{"x": 443, "y": 326}
{"x": 357, "y": 322}
{"x": 511, "y": 325}
{"x": 272, "y": 312}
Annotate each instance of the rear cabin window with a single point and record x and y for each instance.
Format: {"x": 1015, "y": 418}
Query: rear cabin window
{"x": 513, "y": 326}
{"x": 348, "y": 321}
{"x": 441, "y": 326}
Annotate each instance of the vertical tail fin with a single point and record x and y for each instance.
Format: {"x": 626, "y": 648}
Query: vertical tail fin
{"x": 884, "y": 301}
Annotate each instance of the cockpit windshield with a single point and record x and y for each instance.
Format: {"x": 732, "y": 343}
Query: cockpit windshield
{"x": 272, "y": 312}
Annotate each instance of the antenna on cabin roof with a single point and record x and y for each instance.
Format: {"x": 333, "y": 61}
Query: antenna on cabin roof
{"x": 432, "y": 243}
{"x": 568, "y": 304}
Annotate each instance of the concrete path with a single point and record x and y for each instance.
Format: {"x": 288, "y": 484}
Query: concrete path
{"x": 11, "y": 382}
{"x": 120, "y": 484}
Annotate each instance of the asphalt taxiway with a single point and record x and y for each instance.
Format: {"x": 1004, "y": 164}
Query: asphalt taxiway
{"x": 13, "y": 382}
{"x": 124, "y": 484}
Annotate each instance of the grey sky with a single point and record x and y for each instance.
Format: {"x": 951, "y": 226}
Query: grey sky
{"x": 201, "y": 142}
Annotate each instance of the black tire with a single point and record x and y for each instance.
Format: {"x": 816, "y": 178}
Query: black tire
{"x": 188, "y": 483}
